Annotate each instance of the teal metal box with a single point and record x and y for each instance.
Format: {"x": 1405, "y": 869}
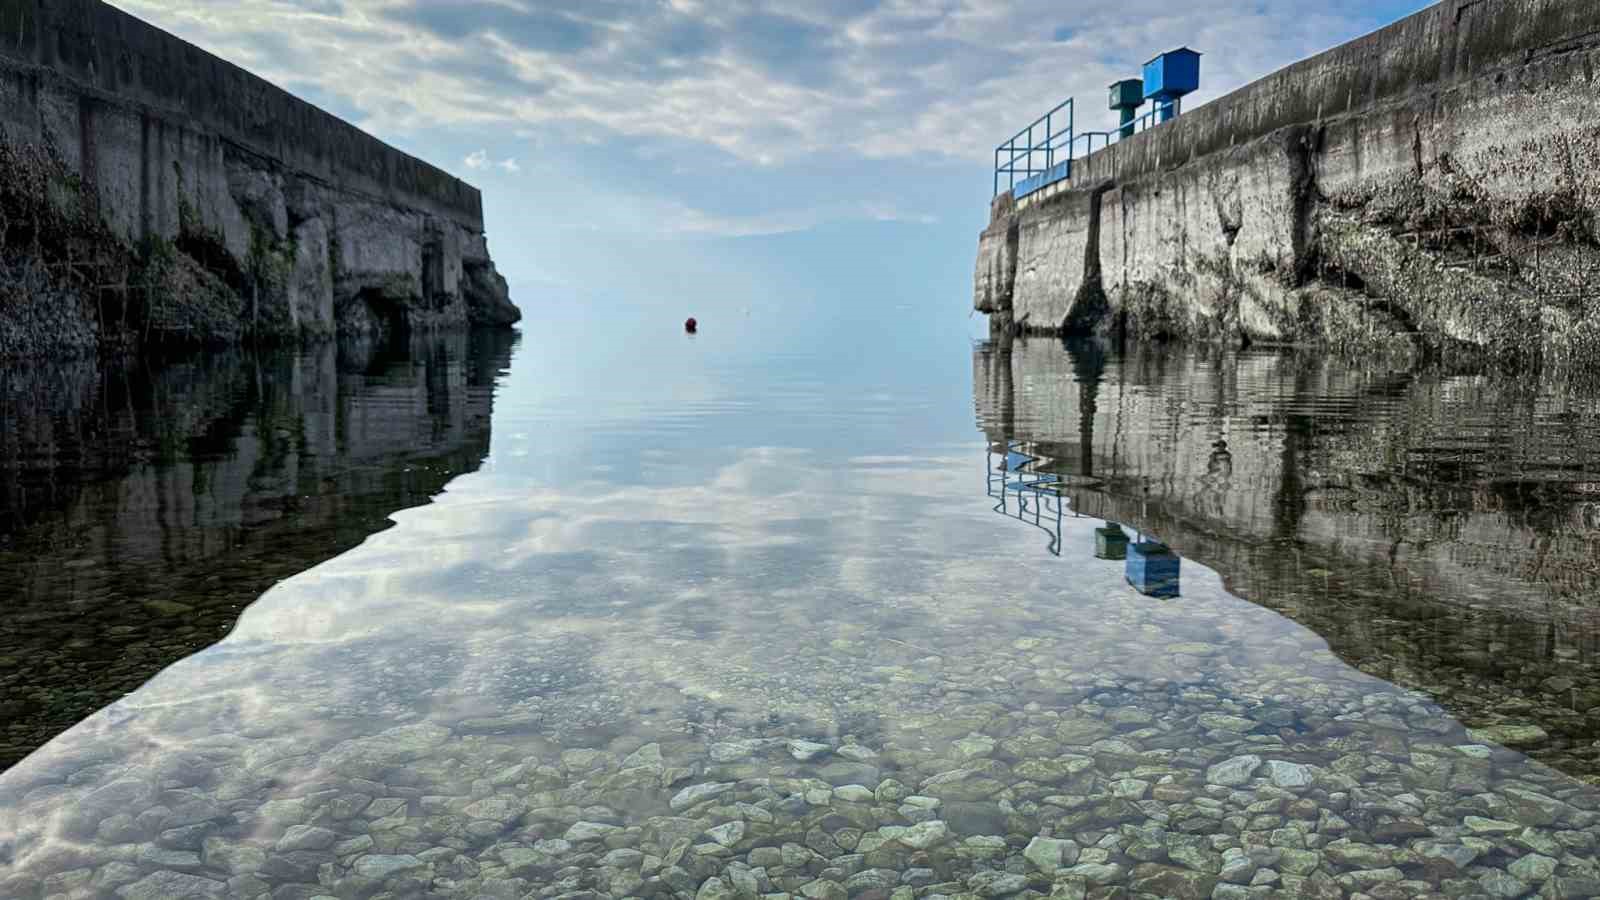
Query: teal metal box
{"x": 1152, "y": 569}
{"x": 1110, "y": 542}
{"x": 1172, "y": 74}
{"x": 1127, "y": 94}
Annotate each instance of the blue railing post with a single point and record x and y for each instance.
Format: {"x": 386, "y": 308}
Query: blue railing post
{"x": 1071, "y": 124}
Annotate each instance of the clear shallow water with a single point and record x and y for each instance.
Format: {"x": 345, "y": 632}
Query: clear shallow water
{"x": 729, "y": 617}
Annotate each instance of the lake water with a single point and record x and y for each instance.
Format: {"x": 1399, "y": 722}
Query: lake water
{"x": 762, "y": 613}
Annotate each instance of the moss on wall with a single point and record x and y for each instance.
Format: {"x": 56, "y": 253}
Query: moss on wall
{"x": 68, "y": 284}
{"x": 62, "y": 274}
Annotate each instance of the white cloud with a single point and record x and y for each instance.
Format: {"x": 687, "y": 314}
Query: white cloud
{"x": 729, "y": 118}
{"x": 765, "y": 82}
{"x": 479, "y": 160}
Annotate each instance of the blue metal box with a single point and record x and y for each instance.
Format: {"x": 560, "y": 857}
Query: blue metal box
{"x": 1110, "y": 542}
{"x": 1152, "y": 569}
{"x": 1172, "y": 74}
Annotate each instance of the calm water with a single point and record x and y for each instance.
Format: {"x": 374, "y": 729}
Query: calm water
{"x": 728, "y": 617}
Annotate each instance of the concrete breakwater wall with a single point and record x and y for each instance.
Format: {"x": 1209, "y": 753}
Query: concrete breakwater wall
{"x": 1432, "y": 187}
{"x": 151, "y": 192}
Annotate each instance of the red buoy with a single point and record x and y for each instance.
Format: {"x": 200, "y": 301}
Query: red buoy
{"x": 690, "y": 325}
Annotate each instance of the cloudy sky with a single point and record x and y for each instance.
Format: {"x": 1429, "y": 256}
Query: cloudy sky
{"x": 735, "y": 148}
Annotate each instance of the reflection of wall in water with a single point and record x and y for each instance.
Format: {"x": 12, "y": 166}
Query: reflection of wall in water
{"x": 1412, "y": 520}
{"x": 1366, "y": 464}
{"x": 142, "y": 507}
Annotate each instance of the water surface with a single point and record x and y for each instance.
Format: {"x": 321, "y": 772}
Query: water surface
{"x": 727, "y": 617}
{"x": 143, "y": 505}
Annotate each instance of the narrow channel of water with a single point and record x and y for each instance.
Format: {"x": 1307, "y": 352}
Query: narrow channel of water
{"x": 685, "y": 618}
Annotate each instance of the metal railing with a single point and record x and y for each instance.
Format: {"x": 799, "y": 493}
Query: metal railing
{"x": 1107, "y": 138}
{"x": 1041, "y": 154}
{"x": 1149, "y": 120}
{"x": 1040, "y": 143}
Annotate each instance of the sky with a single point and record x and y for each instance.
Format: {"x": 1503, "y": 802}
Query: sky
{"x": 734, "y": 155}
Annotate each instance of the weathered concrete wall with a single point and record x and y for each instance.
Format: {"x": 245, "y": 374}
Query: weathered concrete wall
{"x": 105, "y": 49}
{"x": 235, "y": 209}
{"x": 1050, "y": 262}
{"x": 1432, "y": 186}
{"x": 997, "y": 263}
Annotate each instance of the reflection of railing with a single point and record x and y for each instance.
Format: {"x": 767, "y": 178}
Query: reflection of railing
{"x": 1150, "y": 566}
{"x": 1036, "y": 492}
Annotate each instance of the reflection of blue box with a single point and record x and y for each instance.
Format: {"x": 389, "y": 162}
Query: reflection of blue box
{"x": 1172, "y": 74}
{"x": 1152, "y": 569}
{"x": 1110, "y": 542}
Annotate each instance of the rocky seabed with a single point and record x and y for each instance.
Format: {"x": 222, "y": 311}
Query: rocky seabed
{"x": 1260, "y": 783}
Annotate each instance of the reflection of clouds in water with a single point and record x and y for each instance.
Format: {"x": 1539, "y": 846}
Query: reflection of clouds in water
{"x": 878, "y": 597}
{"x": 772, "y": 547}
